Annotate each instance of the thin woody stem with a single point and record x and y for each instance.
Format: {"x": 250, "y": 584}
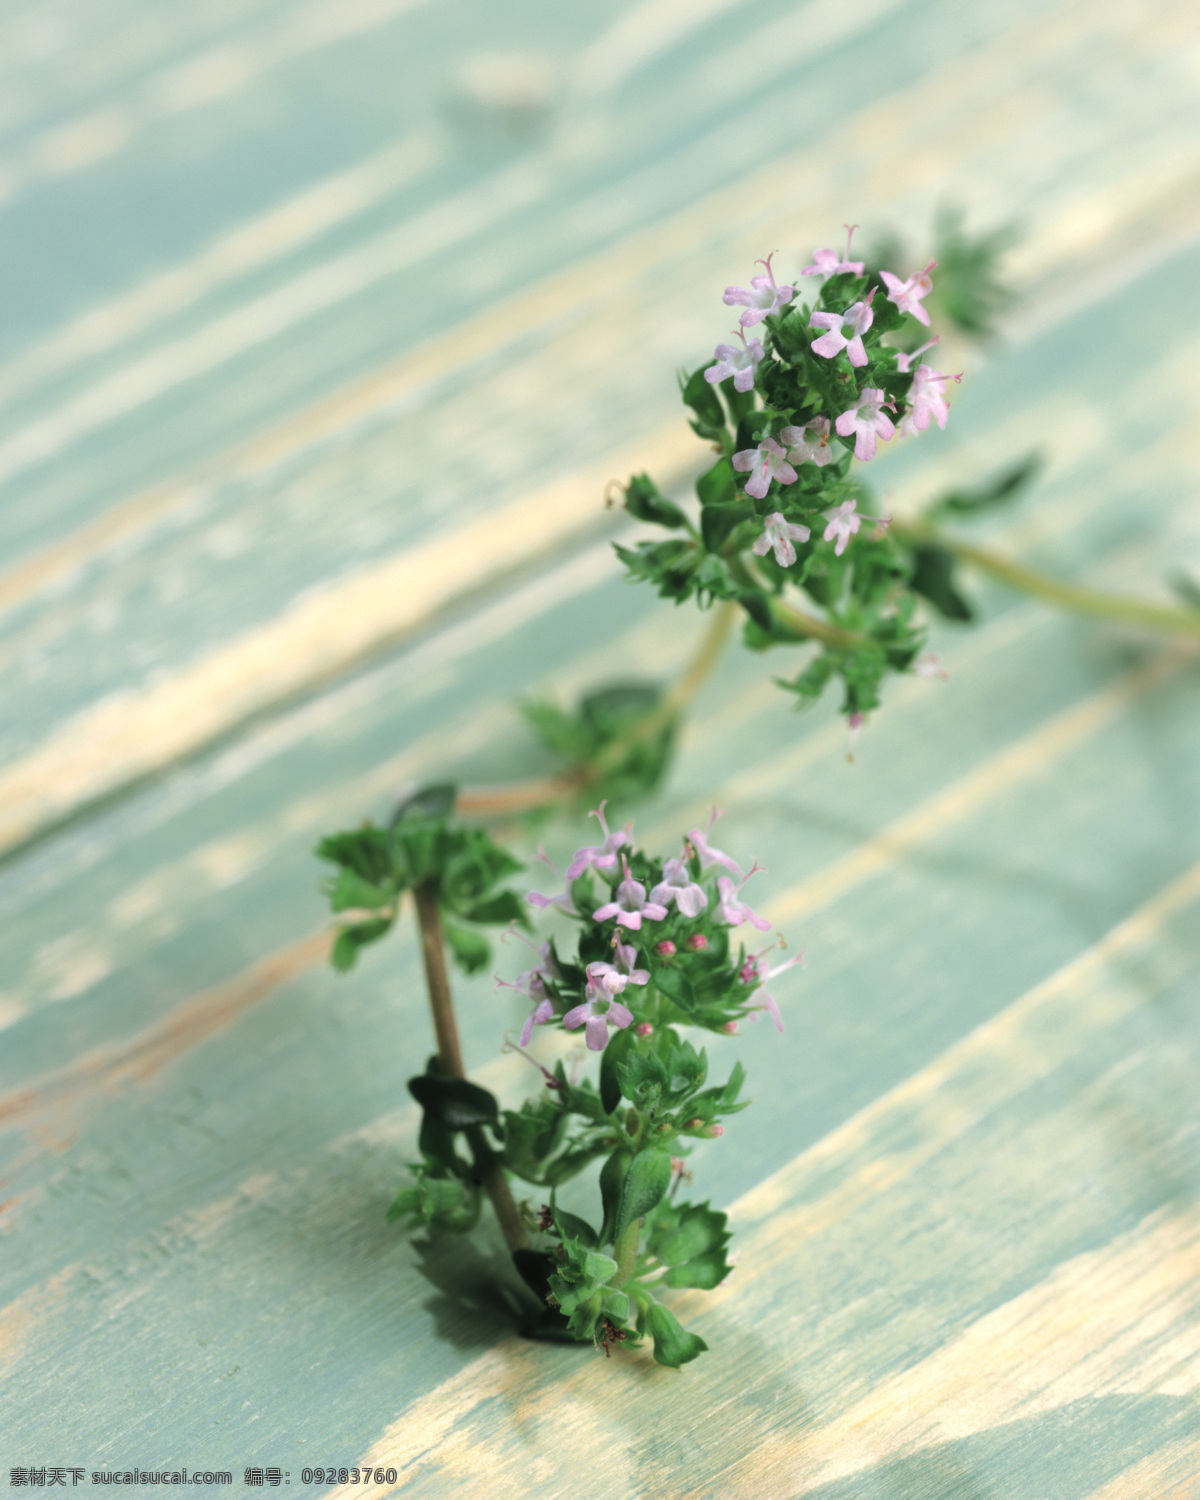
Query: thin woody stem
{"x": 1068, "y": 596}
{"x": 524, "y": 796}
{"x": 487, "y": 1164}
{"x": 808, "y": 627}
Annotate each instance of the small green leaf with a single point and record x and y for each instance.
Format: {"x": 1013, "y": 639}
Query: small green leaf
{"x": 644, "y": 1187}
{"x": 998, "y": 490}
{"x": 598, "y": 1268}
{"x": 673, "y": 1345}
{"x": 933, "y": 578}
{"x": 350, "y": 940}
{"x": 454, "y": 1102}
{"x": 612, "y": 1179}
{"x": 644, "y": 500}
{"x": 429, "y": 803}
{"x": 716, "y": 486}
{"x": 500, "y": 910}
{"x": 471, "y": 950}
{"x": 701, "y": 395}
{"x": 758, "y": 607}
{"x": 733, "y": 1086}
{"x": 717, "y": 521}
{"x": 577, "y": 1228}
{"x": 677, "y": 987}
{"x": 611, "y": 1058}
{"x": 350, "y": 891}
{"x": 703, "y": 1271}
{"x": 642, "y": 1078}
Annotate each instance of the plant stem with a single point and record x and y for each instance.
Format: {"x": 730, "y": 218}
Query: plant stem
{"x": 488, "y": 1166}
{"x": 1069, "y": 596}
{"x": 524, "y": 796}
{"x": 809, "y": 627}
{"x": 625, "y": 1254}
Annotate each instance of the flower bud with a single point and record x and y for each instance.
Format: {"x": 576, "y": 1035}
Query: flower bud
{"x": 665, "y": 948}
{"x": 692, "y": 1124}
{"x": 697, "y": 941}
{"x": 729, "y": 1027}
{"x": 714, "y": 1131}
{"x": 644, "y": 1028}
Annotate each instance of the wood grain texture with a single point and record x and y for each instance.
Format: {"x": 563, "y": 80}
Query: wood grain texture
{"x": 304, "y": 424}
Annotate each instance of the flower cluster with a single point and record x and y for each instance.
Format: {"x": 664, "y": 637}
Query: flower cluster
{"x": 660, "y": 947}
{"x": 663, "y": 927}
{"x": 819, "y": 387}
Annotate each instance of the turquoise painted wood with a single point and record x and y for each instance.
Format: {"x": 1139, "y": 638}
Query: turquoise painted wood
{"x": 309, "y": 305}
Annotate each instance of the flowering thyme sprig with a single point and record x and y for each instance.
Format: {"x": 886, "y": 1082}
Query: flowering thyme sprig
{"x": 823, "y": 385}
{"x": 630, "y": 989}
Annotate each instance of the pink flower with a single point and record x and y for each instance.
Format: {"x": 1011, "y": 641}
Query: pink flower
{"x": 630, "y": 905}
{"x": 607, "y": 979}
{"x": 904, "y": 361}
{"x": 907, "y": 295}
{"x": 780, "y": 534}
{"x": 929, "y": 664}
{"x": 761, "y": 299}
{"x": 538, "y": 1017}
{"x": 845, "y": 331}
{"x": 603, "y": 856}
{"x": 768, "y": 461}
{"x": 829, "y": 263}
{"x": 677, "y": 885}
{"x": 596, "y": 1014}
{"x": 866, "y": 418}
{"x": 756, "y": 971}
{"x": 809, "y": 444}
{"x": 708, "y": 855}
{"x": 844, "y": 523}
{"x": 927, "y": 397}
{"x": 740, "y": 363}
{"x": 736, "y": 912}
{"x": 562, "y": 901}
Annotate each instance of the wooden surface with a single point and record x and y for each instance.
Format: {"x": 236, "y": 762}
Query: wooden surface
{"x": 313, "y": 367}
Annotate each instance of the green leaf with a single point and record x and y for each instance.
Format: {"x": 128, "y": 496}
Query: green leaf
{"x": 701, "y": 395}
{"x": 702, "y": 1271}
{"x": 598, "y": 1268}
{"x": 642, "y": 1079}
{"x": 442, "y": 1202}
{"x": 733, "y": 1086}
{"x": 612, "y": 1179}
{"x": 691, "y": 1230}
{"x": 350, "y": 940}
{"x": 811, "y": 683}
{"x": 718, "y": 521}
{"x": 367, "y": 851}
{"x": 677, "y": 987}
{"x": 673, "y": 1345}
{"x": 685, "y": 1071}
{"x": 716, "y": 486}
{"x": 758, "y": 607}
{"x": 430, "y": 803}
{"x": 644, "y": 1187}
{"x": 618, "y": 1049}
{"x": 933, "y": 578}
{"x": 350, "y": 891}
{"x": 500, "y": 910}
{"x": 644, "y": 500}
{"x": 471, "y": 950}
{"x": 453, "y": 1102}
{"x": 998, "y": 490}
{"x": 578, "y": 1229}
